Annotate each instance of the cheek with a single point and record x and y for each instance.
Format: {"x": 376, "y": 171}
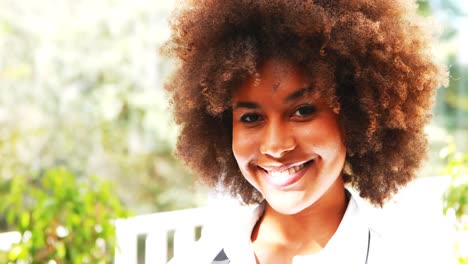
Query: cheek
{"x": 324, "y": 138}
{"x": 243, "y": 147}
{"x": 333, "y": 147}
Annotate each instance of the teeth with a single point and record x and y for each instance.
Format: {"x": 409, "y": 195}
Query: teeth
{"x": 287, "y": 172}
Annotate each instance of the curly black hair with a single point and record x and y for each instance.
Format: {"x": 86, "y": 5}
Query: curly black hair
{"x": 377, "y": 53}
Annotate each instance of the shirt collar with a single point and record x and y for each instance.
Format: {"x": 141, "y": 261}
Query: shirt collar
{"x": 350, "y": 239}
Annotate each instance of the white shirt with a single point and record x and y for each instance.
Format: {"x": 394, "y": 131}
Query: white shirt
{"x": 356, "y": 241}
{"x": 349, "y": 244}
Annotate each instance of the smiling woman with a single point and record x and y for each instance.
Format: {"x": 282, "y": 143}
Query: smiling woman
{"x": 284, "y": 102}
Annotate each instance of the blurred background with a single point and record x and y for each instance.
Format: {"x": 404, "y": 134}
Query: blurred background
{"x": 81, "y": 93}
{"x": 81, "y": 88}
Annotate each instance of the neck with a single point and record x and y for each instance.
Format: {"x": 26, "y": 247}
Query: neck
{"x": 307, "y": 231}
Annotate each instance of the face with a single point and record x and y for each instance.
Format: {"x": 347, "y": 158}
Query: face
{"x": 286, "y": 140}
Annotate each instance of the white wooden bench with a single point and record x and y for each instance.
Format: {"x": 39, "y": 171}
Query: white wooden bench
{"x": 156, "y": 229}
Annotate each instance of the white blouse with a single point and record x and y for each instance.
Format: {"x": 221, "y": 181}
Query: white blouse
{"x": 227, "y": 240}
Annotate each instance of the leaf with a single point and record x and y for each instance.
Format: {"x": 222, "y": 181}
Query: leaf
{"x": 15, "y": 252}
{"x": 24, "y": 221}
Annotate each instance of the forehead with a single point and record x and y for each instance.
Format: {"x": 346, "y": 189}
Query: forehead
{"x": 280, "y": 81}
{"x": 274, "y": 78}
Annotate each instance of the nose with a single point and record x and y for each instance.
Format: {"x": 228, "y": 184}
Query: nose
{"x": 278, "y": 139}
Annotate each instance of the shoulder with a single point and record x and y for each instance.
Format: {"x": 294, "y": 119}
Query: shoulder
{"x": 404, "y": 249}
{"x": 400, "y": 234}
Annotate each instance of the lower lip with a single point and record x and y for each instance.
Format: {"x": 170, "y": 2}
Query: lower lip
{"x": 281, "y": 182}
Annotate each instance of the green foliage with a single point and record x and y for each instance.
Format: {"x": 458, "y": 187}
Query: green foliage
{"x": 424, "y": 7}
{"x": 3, "y": 257}
{"x": 60, "y": 218}
{"x": 456, "y": 197}
{"x": 457, "y": 168}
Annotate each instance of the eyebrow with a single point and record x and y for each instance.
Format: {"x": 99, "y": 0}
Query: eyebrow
{"x": 249, "y": 105}
{"x": 299, "y": 93}
{"x": 291, "y": 97}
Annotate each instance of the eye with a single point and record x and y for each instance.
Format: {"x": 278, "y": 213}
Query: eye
{"x": 305, "y": 110}
{"x": 250, "y": 118}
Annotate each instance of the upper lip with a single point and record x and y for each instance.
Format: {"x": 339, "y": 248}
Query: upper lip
{"x": 282, "y": 166}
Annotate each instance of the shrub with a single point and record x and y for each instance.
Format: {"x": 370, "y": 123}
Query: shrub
{"x": 456, "y": 197}
{"x": 60, "y": 219}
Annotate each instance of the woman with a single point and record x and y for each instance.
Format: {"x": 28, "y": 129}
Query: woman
{"x": 282, "y": 103}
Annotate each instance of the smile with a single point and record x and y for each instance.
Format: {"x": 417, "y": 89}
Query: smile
{"x": 286, "y": 172}
{"x": 284, "y": 176}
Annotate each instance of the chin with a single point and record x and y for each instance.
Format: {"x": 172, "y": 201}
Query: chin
{"x": 290, "y": 203}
